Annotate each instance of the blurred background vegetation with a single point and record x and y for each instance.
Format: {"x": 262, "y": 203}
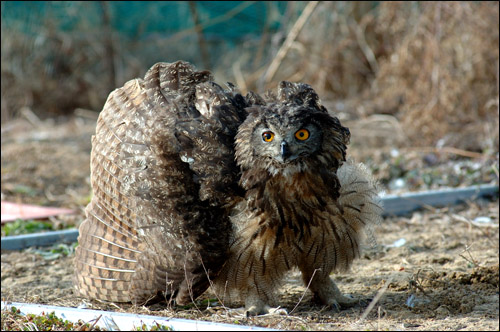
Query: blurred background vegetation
{"x": 400, "y": 74}
{"x": 416, "y": 82}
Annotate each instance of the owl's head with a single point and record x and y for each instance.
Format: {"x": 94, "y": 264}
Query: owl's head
{"x": 291, "y": 133}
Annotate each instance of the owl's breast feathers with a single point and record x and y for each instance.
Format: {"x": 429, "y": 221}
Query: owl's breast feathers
{"x": 300, "y": 221}
{"x": 292, "y": 204}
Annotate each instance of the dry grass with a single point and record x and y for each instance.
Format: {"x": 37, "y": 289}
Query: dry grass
{"x": 427, "y": 72}
{"x": 445, "y": 73}
{"x": 430, "y": 69}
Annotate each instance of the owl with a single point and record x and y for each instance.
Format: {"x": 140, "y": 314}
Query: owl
{"x": 196, "y": 185}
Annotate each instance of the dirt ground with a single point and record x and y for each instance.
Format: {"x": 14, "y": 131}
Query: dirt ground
{"x": 436, "y": 269}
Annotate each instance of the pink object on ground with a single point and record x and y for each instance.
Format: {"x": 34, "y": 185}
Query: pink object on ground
{"x": 12, "y": 211}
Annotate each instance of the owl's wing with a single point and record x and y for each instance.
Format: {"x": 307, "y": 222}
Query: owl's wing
{"x": 156, "y": 160}
{"x": 109, "y": 246}
{"x": 206, "y": 136}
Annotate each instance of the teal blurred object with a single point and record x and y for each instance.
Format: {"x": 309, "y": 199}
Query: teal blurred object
{"x": 230, "y": 21}
{"x": 64, "y": 55}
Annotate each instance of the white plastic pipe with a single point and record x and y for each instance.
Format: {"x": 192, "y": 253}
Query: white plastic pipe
{"x": 117, "y": 321}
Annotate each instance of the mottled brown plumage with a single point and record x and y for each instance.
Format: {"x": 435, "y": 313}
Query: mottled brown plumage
{"x": 193, "y": 182}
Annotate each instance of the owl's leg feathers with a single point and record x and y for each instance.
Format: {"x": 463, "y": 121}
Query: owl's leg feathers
{"x": 255, "y": 306}
{"x": 327, "y": 293}
{"x": 330, "y": 295}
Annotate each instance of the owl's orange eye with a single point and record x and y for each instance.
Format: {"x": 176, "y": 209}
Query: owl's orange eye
{"x": 302, "y": 134}
{"x": 267, "y": 136}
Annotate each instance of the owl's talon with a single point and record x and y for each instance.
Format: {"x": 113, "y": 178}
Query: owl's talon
{"x": 327, "y": 293}
{"x": 365, "y": 302}
{"x": 277, "y": 311}
{"x": 254, "y": 311}
{"x": 255, "y": 307}
{"x": 334, "y": 306}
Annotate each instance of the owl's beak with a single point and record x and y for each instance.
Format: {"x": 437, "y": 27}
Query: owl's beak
{"x": 285, "y": 150}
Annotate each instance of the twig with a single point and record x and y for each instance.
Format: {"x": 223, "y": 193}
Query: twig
{"x": 216, "y": 20}
{"x": 304, "y": 293}
{"x": 240, "y": 80}
{"x": 31, "y": 116}
{"x": 189, "y": 284}
{"x": 495, "y": 169}
{"x": 85, "y": 113}
{"x": 363, "y": 45}
{"x": 292, "y": 35}
{"x": 471, "y": 260}
{"x": 416, "y": 283}
{"x": 378, "y": 320}
{"x": 108, "y": 45}
{"x": 93, "y": 324}
{"x": 374, "y": 301}
{"x": 447, "y": 149}
{"x": 212, "y": 285}
{"x": 472, "y": 222}
{"x": 264, "y": 36}
{"x": 205, "y": 56}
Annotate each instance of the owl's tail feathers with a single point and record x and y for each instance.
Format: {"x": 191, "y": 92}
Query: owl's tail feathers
{"x": 359, "y": 197}
{"x": 107, "y": 254}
